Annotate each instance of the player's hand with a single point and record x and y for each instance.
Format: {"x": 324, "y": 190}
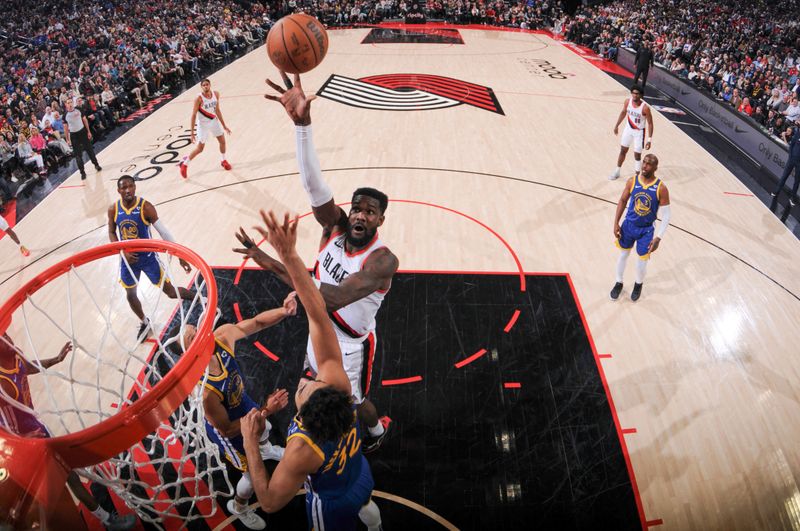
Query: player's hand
{"x": 66, "y": 349}
{"x": 290, "y": 304}
{"x": 282, "y": 236}
{"x": 227, "y": 130}
{"x": 653, "y": 245}
{"x": 616, "y": 130}
{"x": 193, "y": 139}
{"x": 293, "y": 99}
{"x": 252, "y": 426}
{"x": 647, "y": 145}
{"x": 617, "y": 231}
{"x": 251, "y": 250}
{"x": 185, "y": 265}
{"x": 88, "y": 134}
{"x": 276, "y": 401}
{"x": 131, "y": 258}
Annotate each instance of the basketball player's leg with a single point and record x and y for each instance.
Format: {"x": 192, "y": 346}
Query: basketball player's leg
{"x": 642, "y": 250}
{"x": 85, "y": 497}
{"x": 638, "y": 145}
{"x": 222, "y": 148}
{"x": 625, "y": 244}
{"x": 128, "y": 276}
{"x": 625, "y": 142}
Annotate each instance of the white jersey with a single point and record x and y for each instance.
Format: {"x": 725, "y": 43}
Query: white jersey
{"x": 354, "y": 322}
{"x": 208, "y": 109}
{"x": 636, "y": 119}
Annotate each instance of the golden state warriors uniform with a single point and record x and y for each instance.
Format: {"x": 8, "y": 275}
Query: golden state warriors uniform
{"x": 342, "y": 485}
{"x": 229, "y": 386}
{"x": 640, "y": 219}
{"x": 354, "y": 324}
{"x": 15, "y": 383}
{"x": 131, "y": 225}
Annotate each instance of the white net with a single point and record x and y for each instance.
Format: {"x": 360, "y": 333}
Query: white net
{"x": 174, "y": 472}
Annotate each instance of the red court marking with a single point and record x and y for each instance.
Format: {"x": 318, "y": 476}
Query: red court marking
{"x": 237, "y": 312}
{"x": 71, "y": 186}
{"x": 628, "y": 430}
{"x": 266, "y": 351}
{"x": 512, "y": 385}
{"x": 511, "y": 322}
{"x": 472, "y": 358}
{"x": 626, "y": 454}
{"x": 604, "y": 355}
{"x": 651, "y": 523}
{"x": 401, "y": 381}
{"x": 736, "y": 193}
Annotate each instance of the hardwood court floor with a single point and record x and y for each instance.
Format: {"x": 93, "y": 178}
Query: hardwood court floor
{"x": 702, "y": 370}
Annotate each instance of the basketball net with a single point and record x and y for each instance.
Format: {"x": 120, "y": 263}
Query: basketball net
{"x": 175, "y": 471}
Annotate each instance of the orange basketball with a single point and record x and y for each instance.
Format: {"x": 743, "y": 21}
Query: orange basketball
{"x": 297, "y": 43}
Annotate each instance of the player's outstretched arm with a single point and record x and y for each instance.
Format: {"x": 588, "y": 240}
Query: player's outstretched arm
{"x": 298, "y": 107}
{"x": 230, "y": 333}
{"x": 151, "y": 216}
{"x": 283, "y": 236}
{"x": 265, "y": 261}
{"x": 46, "y": 364}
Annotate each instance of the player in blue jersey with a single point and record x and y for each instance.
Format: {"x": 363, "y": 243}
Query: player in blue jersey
{"x": 225, "y": 402}
{"x": 323, "y": 448}
{"x": 130, "y": 218}
{"x": 645, "y": 196}
{"x": 16, "y": 416}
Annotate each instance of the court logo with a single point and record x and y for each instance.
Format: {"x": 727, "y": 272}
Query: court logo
{"x": 542, "y": 68}
{"x": 408, "y": 92}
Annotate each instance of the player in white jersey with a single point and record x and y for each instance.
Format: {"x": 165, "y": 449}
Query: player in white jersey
{"x": 207, "y": 117}
{"x": 638, "y": 124}
{"x": 354, "y": 269}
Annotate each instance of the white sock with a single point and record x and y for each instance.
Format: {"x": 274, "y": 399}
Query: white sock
{"x": 186, "y": 160}
{"x": 244, "y": 491}
{"x": 641, "y": 270}
{"x": 376, "y": 430}
{"x": 371, "y": 516}
{"x": 637, "y": 165}
{"x": 617, "y": 170}
{"x": 223, "y": 156}
{"x": 101, "y": 514}
{"x": 621, "y": 261}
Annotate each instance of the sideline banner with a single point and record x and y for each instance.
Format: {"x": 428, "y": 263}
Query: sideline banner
{"x": 736, "y": 127}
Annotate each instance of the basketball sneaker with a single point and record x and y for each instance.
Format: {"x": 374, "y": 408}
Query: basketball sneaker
{"x": 247, "y": 517}
{"x": 373, "y": 443}
{"x": 637, "y": 292}
{"x": 145, "y": 329}
{"x": 24, "y": 250}
{"x": 615, "y": 291}
{"x": 225, "y": 164}
{"x": 614, "y": 175}
{"x": 120, "y": 523}
{"x": 184, "y": 170}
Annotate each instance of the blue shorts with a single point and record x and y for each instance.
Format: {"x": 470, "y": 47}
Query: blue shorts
{"x": 642, "y": 236}
{"x": 147, "y": 264}
{"x": 341, "y": 513}
{"x": 232, "y": 447}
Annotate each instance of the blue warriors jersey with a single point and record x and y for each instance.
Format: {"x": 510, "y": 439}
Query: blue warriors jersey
{"x": 131, "y": 224}
{"x": 229, "y": 386}
{"x": 341, "y": 460}
{"x": 643, "y": 204}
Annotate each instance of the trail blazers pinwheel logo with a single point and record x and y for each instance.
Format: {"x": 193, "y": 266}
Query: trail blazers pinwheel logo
{"x": 408, "y": 92}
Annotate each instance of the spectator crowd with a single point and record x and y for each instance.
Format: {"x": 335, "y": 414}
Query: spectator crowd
{"x": 743, "y": 52}
{"x": 110, "y": 57}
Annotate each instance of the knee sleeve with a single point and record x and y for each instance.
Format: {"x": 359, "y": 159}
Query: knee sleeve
{"x": 244, "y": 489}
{"x": 370, "y": 515}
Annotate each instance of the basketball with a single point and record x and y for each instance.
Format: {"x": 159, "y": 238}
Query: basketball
{"x": 297, "y": 43}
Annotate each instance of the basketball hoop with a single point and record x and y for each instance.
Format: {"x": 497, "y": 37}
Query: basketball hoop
{"x": 134, "y": 411}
